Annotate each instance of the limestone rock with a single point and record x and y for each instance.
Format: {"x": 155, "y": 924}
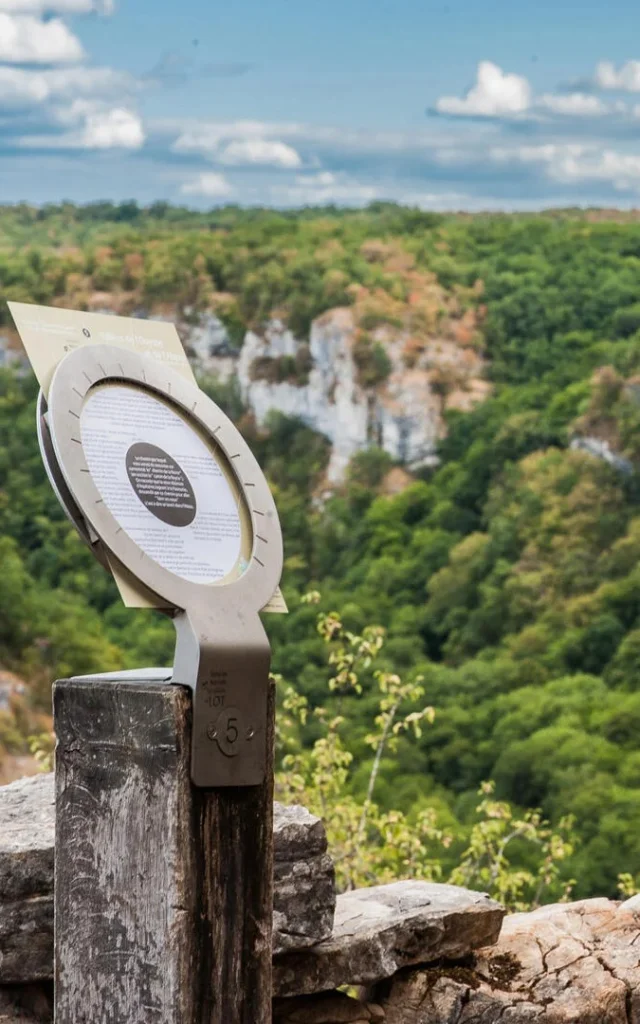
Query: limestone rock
{"x": 304, "y": 897}
{"x": 26, "y": 879}
{"x": 297, "y": 833}
{"x": 602, "y": 450}
{"x": 403, "y": 416}
{"x": 379, "y": 930}
{"x": 27, "y": 826}
{"x": 562, "y": 964}
{"x": 26, "y": 939}
{"x": 304, "y": 890}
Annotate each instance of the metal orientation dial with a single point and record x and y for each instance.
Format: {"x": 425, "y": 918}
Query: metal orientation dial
{"x": 222, "y": 651}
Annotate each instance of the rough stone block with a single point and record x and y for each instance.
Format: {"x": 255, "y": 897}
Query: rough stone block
{"x": 575, "y": 963}
{"x": 379, "y": 930}
{"x": 304, "y": 896}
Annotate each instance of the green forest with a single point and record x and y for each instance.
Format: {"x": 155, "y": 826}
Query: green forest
{"x": 507, "y": 579}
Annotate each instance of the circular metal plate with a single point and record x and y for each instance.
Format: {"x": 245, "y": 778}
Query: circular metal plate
{"x": 75, "y": 379}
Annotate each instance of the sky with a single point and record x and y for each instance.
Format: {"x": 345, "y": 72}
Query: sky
{"x": 440, "y": 104}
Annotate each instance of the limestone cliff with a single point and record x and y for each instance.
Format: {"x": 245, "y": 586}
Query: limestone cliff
{"x": 332, "y": 384}
{"x": 380, "y": 372}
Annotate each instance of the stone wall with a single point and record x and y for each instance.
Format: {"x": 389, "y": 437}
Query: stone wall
{"x": 418, "y": 952}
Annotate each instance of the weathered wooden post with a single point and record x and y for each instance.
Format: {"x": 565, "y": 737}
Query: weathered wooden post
{"x": 164, "y": 778}
{"x": 163, "y": 890}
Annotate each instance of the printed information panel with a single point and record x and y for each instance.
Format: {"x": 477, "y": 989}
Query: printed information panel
{"x": 164, "y": 486}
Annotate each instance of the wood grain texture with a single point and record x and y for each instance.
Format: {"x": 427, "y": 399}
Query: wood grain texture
{"x": 163, "y": 892}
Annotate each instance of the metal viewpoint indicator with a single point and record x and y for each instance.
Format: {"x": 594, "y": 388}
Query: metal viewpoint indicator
{"x": 160, "y": 484}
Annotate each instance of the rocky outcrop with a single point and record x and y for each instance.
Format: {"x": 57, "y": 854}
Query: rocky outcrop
{"x": 564, "y": 964}
{"x": 26, "y": 879}
{"x": 600, "y": 449}
{"x": 379, "y": 930}
{"x": 304, "y": 897}
{"x": 402, "y": 413}
{"x": 330, "y": 401}
{"x": 423, "y": 953}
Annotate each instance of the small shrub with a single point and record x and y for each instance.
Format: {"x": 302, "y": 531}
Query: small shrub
{"x": 372, "y": 362}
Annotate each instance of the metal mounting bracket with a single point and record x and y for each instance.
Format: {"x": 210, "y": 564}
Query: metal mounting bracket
{"x": 226, "y": 664}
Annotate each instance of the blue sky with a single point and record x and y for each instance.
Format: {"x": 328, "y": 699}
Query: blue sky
{"x": 450, "y": 104}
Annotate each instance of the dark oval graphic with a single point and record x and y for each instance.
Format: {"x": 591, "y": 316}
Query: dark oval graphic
{"x": 160, "y": 484}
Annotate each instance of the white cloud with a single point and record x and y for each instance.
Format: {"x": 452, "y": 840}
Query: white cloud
{"x": 207, "y": 137}
{"x": 117, "y": 128}
{"x": 260, "y": 152}
{"x": 241, "y": 144}
{"x": 626, "y": 78}
{"x": 57, "y": 6}
{"x": 324, "y": 188}
{"x": 209, "y": 185}
{"x": 93, "y": 126}
{"x": 576, "y": 163}
{"x": 437, "y": 200}
{"x": 544, "y": 153}
{"x": 500, "y": 95}
{"x": 27, "y": 40}
{"x": 575, "y": 104}
{"x": 622, "y": 170}
{"x": 323, "y": 179}
{"x": 20, "y": 87}
{"x": 495, "y": 94}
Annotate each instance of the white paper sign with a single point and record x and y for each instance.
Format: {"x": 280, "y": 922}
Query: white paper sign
{"x": 163, "y": 484}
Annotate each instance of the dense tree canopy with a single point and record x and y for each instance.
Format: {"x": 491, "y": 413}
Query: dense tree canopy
{"x": 509, "y": 577}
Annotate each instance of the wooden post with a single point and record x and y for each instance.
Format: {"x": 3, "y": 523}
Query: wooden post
{"x": 163, "y": 892}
